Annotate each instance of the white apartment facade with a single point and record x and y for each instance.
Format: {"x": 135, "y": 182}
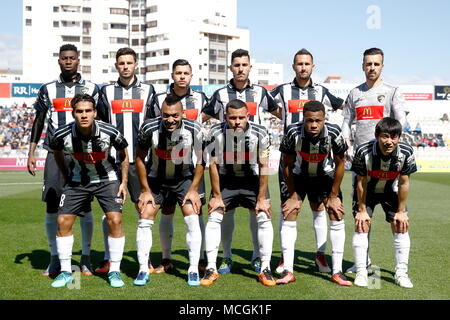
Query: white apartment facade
{"x": 204, "y": 32}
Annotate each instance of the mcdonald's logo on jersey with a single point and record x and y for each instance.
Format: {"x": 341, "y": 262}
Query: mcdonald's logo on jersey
{"x": 369, "y": 112}
{"x": 383, "y": 175}
{"x": 296, "y": 106}
{"x": 191, "y": 114}
{"x": 62, "y": 104}
{"x": 251, "y": 106}
{"x": 89, "y": 157}
{"x": 127, "y": 106}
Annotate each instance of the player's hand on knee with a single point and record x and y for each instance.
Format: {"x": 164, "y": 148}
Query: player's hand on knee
{"x": 362, "y": 222}
{"x": 335, "y": 207}
{"x": 122, "y": 193}
{"x": 264, "y": 205}
{"x": 401, "y": 222}
{"x": 291, "y": 206}
{"x": 145, "y": 198}
{"x": 194, "y": 198}
{"x": 215, "y": 204}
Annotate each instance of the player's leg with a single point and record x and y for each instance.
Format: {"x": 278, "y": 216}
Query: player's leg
{"x": 87, "y": 230}
{"x": 202, "y": 262}
{"x": 227, "y": 230}
{"x": 320, "y": 226}
{"x": 166, "y": 236}
{"x": 284, "y": 195}
{"x": 193, "y": 242}
{"x": 360, "y": 244}
{"x": 401, "y": 243}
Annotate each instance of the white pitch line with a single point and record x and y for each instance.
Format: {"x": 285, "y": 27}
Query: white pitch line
{"x": 19, "y": 183}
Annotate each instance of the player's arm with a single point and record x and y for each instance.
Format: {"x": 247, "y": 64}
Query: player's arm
{"x": 362, "y": 219}
{"x": 103, "y": 107}
{"x": 59, "y": 159}
{"x": 349, "y": 116}
{"x": 212, "y": 109}
{"x": 401, "y": 217}
{"x": 124, "y": 165}
{"x": 262, "y": 203}
{"x": 146, "y": 196}
{"x": 292, "y": 204}
{"x": 216, "y": 202}
{"x": 333, "y": 203}
{"x": 36, "y": 132}
{"x": 269, "y": 105}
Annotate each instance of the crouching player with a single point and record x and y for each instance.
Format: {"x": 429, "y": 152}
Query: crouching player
{"x": 313, "y": 165}
{"x": 92, "y": 172}
{"x": 239, "y": 152}
{"x": 382, "y": 167}
{"x": 171, "y": 142}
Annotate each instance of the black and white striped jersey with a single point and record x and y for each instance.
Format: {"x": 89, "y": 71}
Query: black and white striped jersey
{"x": 314, "y": 156}
{"x": 193, "y": 103}
{"x": 367, "y": 106}
{"x": 54, "y": 99}
{"x": 125, "y": 107}
{"x": 171, "y": 155}
{"x": 383, "y": 171}
{"x": 238, "y": 155}
{"x": 256, "y": 97}
{"x": 291, "y": 98}
{"x": 91, "y": 159}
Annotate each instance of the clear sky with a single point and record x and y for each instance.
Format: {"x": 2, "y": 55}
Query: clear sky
{"x": 413, "y": 35}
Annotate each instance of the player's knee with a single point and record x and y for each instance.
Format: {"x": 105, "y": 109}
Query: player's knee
{"x": 215, "y": 217}
{"x": 115, "y": 220}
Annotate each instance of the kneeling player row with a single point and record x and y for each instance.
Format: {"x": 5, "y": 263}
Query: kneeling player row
{"x": 170, "y": 163}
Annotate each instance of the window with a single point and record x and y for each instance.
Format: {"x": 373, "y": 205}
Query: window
{"x": 86, "y": 27}
{"x": 28, "y": 22}
{"x": 221, "y": 68}
{"x": 105, "y": 71}
{"x": 263, "y": 72}
{"x": 118, "y": 11}
{"x": 135, "y": 27}
{"x": 105, "y": 26}
{"x": 87, "y": 40}
{"x": 86, "y": 69}
{"x": 118, "y": 40}
{"x": 152, "y": 24}
{"x": 55, "y": 54}
{"x": 116, "y": 26}
{"x": 56, "y": 24}
{"x": 112, "y": 54}
{"x": 158, "y": 67}
{"x": 134, "y": 42}
{"x": 143, "y": 27}
{"x": 28, "y": 8}
{"x": 135, "y": 13}
{"x": 152, "y": 9}
{"x": 143, "y": 13}
{"x": 87, "y": 10}
{"x": 70, "y": 8}
{"x": 263, "y": 82}
{"x": 105, "y": 56}
{"x": 142, "y": 70}
{"x": 158, "y": 37}
{"x": 55, "y": 9}
{"x": 199, "y": 51}
{"x": 70, "y": 23}
{"x": 212, "y": 67}
{"x": 86, "y": 54}
{"x": 222, "y": 54}
{"x": 212, "y": 81}
{"x": 157, "y": 53}
{"x": 221, "y": 81}
{"x": 71, "y": 38}
{"x": 199, "y": 67}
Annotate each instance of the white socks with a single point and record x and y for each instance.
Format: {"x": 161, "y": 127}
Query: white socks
{"x": 105, "y": 229}
{"x": 360, "y": 244}
{"x": 166, "y": 235}
{"x": 212, "y": 238}
{"x": 51, "y": 227}
{"x": 227, "y": 232}
{"x": 254, "y": 230}
{"x": 288, "y": 236}
{"x": 65, "y": 245}
{"x": 193, "y": 241}
{"x": 116, "y": 246}
{"x": 402, "y": 243}
{"x": 143, "y": 243}
{"x": 320, "y": 228}
{"x": 337, "y": 239}
{"x": 87, "y": 229}
{"x": 265, "y": 238}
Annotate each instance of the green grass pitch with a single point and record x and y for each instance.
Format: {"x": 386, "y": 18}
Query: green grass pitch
{"x": 24, "y": 252}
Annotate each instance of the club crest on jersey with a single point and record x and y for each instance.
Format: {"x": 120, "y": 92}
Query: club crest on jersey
{"x": 381, "y": 97}
{"x": 84, "y": 90}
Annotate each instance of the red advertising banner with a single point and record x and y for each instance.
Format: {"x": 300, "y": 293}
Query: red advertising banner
{"x": 19, "y": 163}
{"x": 5, "y": 90}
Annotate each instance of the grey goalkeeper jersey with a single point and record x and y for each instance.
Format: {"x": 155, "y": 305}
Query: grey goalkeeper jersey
{"x": 366, "y": 106}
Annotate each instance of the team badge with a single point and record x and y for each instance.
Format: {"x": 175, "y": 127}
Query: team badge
{"x": 380, "y": 98}
{"x": 84, "y": 90}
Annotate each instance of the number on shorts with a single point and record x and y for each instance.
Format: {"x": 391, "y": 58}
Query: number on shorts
{"x": 61, "y": 202}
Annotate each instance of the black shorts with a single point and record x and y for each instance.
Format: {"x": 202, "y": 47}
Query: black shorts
{"x": 75, "y": 196}
{"x": 173, "y": 190}
{"x": 388, "y": 201}
{"x": 133, "y": 185}
{"x": 54, "y": 182}
{"x": 172, "y": 201}
{"x": 240, "y": 191}
{"x": 316, "y": 188}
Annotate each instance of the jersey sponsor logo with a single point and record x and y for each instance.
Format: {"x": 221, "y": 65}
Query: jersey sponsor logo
{"x": 296, "y": 106}
{"x": 191, "y": 114}
{"x": 251, "y": 106}
{"x": 171, "y": 154}
{"x": 313, "y": 157}
{"x": 369, "y": 112}
{"x": 62, "y": 104}
{"x": 127, "y": 106}
{"x": 89, "y": 157}
{"x": 383, "y": 175}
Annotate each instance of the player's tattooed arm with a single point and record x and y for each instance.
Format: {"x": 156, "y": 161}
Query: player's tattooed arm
{"x": 216, "y": 202}
{"x": 401, "y": 221}
{"x": 124, "y": 165}
{"x": 362, "y": 219}
{"x": 262, "y": 203}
